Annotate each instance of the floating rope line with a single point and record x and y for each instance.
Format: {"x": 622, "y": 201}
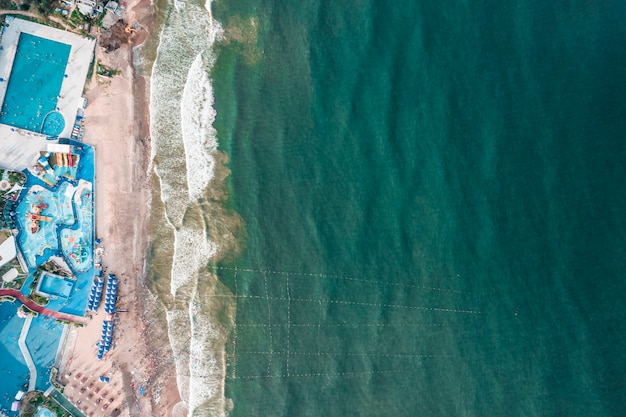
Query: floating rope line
{"x": 288, "y": 324}
{"x": 390, "y": 355}
{"x": 339, "y": 277}
{"x": 314, "y": 325}
{"x": 359, "y": 303}
{"x": 269, "y": 320}
{"x": 319, "y": 375}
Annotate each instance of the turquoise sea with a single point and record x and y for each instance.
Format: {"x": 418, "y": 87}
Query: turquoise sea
{"x": 425, "y": 203}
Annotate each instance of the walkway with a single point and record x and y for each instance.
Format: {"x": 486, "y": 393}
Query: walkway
{"x": 29, "y": 360}
{"x": 11, "y": 292}
{"x": 66, "y": 404}
{"x": 55, "y": 19}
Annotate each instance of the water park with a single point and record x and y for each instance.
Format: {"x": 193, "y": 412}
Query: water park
{"x": 48, "y": 259}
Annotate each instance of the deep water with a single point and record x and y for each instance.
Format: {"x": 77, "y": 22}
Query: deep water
{"x": 434, "y": 206}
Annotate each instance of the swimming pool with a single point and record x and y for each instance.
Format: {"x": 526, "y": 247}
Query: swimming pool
{"x": 13, "y": 369}
{"x": 54, "y": 285}
{"x": 44, "y": 412}
{"x": 34, "y": 85}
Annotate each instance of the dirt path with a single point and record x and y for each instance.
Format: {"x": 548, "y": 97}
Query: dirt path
{"x": 55, "y": 19}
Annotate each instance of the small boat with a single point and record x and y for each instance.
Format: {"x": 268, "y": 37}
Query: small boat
{"x": 34, "y": 227}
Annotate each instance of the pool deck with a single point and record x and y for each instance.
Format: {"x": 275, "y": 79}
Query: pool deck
{"x": 20, "y": 148}
{"x": 76, "y": 71}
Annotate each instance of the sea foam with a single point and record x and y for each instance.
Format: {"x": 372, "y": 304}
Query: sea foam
{"x": 199, "y": 136}
{"x": 181, "y": 110}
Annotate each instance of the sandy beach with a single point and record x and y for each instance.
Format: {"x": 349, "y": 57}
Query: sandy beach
{"x": 142, "y": 377}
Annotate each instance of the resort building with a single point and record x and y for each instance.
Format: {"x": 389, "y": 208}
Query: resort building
{"x": 47, "y": 228}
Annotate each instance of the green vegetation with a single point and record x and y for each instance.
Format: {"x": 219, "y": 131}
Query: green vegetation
{"x": 8, "y": 4}
{"x": 7, "y": 196}
{"x": 35, "y": 399}
{"x": 107, "y": 72}
{"x": 27, "y": 311}
{"x": 54, "y": 268}
{"x": 21, "y": 275}
{"x": 79, "y": 19}
{"x": 39, "y": 299}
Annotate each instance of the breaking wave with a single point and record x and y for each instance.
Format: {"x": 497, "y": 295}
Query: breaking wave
{"x": 183, "y": 141}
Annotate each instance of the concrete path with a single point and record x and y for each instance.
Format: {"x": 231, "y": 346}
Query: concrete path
{"x": 29, "y": 360}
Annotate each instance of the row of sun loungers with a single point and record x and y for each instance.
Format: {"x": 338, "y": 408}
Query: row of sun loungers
{"x": 105, "y": 339}
{"x": 111, "y": 295}
{"x": 96, "y": 292}
{"x": 109, "y": 307}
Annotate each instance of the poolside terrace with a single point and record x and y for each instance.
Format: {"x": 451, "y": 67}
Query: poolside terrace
{"x": 76, "y": 70}
{"x": 20, "y": 146}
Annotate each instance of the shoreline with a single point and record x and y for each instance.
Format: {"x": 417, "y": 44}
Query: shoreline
{"x": 117, "y": 125}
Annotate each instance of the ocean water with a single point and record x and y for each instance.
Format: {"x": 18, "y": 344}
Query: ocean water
{"x": 370, "y": 208}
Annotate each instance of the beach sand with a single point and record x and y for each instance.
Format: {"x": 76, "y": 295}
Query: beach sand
{"x": 116, "y": 123}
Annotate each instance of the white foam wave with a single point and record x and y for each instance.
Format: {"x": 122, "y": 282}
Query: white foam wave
{"x": 186, "y": 34}
{"x": 192, "y": 250}
{"x": 199, "y": 136}
{"x": 181, "y": 117}
{"x": 202, "y": 364}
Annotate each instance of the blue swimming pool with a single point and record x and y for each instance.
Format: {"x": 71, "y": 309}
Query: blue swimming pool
{"x": 57, "y": 286}
{"x": 43, "y": 342}
{"x": 12, "y": 366}
{"x": 34, "y": 85}
{"x": 44, "y": 412}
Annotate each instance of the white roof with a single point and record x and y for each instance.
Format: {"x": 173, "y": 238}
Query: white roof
{"x": 7, "y": 251}
{"x": 9, "y": 276}
{"x": 57, "y": 147}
